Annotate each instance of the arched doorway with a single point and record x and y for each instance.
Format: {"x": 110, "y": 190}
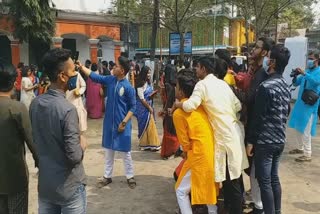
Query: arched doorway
{"x": 36, "y": 51}
{"x": 77, "y": 42}
{"x": 70, "y": 44}
{"x": 5, "y": 53}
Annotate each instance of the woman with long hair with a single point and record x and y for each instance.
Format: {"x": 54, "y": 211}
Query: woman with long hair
{"x": 74, "y": 97}
{"x": 34, "y": 79}
{"x": 147, "y": 130}
{"x": 94, "y": 99}
{"x": 170, "y": 143}
{"x": 27, "y": 87}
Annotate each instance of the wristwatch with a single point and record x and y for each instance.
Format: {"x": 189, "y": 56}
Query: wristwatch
{"x": 123, "y": 123}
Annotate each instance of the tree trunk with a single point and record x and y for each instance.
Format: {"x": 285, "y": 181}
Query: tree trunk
{"x": 257, "y": 30}
{"x": 155, "y": 23}
{"x": 247, "y": 39}
{"x": 247, "y": 34}
{"x": 181, "y": 47}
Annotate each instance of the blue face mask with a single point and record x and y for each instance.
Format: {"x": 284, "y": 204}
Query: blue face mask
{"x": 265, "y": 64}
{"x": 72, "y": 82}
{"x": 310, "y": 63}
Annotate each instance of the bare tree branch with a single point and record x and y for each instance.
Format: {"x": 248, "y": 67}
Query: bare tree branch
{"x": 262, "y": 9}
{"x": 164, "y": 5}
{"x": 186, "y": 10}
{"x": 164, "y": 23}
{"x": 176, "y": 16}
{"x": 273, "y": 13}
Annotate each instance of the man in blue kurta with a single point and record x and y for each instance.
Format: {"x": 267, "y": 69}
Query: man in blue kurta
{"x": 304, "y": 116}
{"x": 117, "y": 121}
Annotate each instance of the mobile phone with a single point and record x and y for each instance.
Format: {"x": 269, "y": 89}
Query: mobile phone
{"x": 76, "y": 56}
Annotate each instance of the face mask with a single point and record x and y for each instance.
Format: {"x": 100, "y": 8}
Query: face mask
{"x": 265, "y": 64}
{"x": 72, "y": 82}
{"x": 310, "y": 63}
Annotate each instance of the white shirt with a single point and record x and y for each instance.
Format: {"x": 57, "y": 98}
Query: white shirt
{"x": 222, "y": 107}
{"x": 78, "y": 103}
{"x": 140, "y": 91}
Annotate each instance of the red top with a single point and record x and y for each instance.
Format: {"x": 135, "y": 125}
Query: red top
{"x": 18, "y": 80}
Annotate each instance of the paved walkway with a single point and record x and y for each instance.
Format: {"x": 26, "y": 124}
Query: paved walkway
{"x": 154, "y": 193}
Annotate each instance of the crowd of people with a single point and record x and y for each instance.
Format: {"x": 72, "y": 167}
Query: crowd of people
{"x": 220, "y": 120}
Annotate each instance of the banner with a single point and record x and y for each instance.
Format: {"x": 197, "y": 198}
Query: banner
{"x": 174, "y": 39}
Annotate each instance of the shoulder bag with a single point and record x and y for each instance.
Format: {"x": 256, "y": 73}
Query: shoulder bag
{"x": 309, "y": 97}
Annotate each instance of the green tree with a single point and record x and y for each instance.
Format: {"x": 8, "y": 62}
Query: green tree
{"x": 296, "y": 16}
{"x": 177, "y": 16}
{"x": 263, "y": 13}
{"x": 155, "y": 24}
{"x": 34, "y": 20}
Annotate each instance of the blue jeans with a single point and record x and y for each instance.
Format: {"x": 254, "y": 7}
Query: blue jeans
{"x": 266, "y": 160}
{"x": 77, "y": 204}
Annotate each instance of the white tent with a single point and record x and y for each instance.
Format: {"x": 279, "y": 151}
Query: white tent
{"x": 298, "y": 47}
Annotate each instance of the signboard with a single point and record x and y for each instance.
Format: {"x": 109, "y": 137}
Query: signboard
{"x": 175, "y": 43}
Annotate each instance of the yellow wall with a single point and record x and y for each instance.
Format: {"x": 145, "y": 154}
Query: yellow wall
{"x": 238, "y": 30}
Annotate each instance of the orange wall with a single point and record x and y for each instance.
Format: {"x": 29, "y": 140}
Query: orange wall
{"x": 6, "y": 24}
{"x": 15, "y": 52}
{"x": 90, "y": 29}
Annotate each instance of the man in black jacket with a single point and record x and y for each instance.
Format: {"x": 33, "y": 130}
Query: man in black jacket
{"x": 247, "y": 98}
{"x": 268, "y": 134}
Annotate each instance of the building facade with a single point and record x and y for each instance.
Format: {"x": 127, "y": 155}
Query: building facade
{"x": 224, "y": 26}
{"x": 86, "y": 26}
{"x": 313, "y": 36}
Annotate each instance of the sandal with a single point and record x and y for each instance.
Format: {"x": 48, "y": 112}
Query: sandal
{"x": 303, "y": 159}
{"x": 104, "y": 182}
{"x": 131, "y": 183}
{"x": 295, "y": 151}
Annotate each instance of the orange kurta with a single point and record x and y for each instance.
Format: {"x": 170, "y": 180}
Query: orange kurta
{"x": 229, "y": 78}
{"x": 196, "y": 138}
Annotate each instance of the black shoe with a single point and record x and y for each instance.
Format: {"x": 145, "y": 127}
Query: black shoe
{"x": 256, "y": 211}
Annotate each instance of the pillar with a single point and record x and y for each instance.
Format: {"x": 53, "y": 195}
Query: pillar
{"x": 117, "y": 49}
{"x": 57, "y": 42}
{"x": 15, "y": 50}
{"x": 94, "y": 50}
{"x": 117, "y": 52}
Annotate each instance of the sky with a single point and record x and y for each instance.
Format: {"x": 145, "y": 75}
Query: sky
{"x": 99, "y": 5}
{"x": 316, "y": 10}
{"x": 83, "y": 5}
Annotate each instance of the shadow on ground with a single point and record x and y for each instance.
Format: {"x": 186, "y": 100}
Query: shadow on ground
{"x": 309, "y": 207}
{"x": 118, "y": 198}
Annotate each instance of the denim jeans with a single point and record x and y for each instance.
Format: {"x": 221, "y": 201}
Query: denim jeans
{"x": 266, "y": 160}
{"x": 77, "y": 204}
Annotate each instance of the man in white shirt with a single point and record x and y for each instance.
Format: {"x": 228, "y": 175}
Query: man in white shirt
{"x": 222, "y": 107}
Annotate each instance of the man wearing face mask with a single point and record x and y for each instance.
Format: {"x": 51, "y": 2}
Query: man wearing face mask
{"x": 55, "y": 129}
{"x": 304, "y": 114}
{"x": 259, "y": 70}
{"x": 268, "y": 137}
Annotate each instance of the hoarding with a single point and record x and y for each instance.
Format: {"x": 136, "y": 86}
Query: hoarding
{"x": 174, "y": 39}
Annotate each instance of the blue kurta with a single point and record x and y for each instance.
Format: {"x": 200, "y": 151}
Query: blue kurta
{"x": 302, "y": 112}
{"x": 121, "y": 99}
